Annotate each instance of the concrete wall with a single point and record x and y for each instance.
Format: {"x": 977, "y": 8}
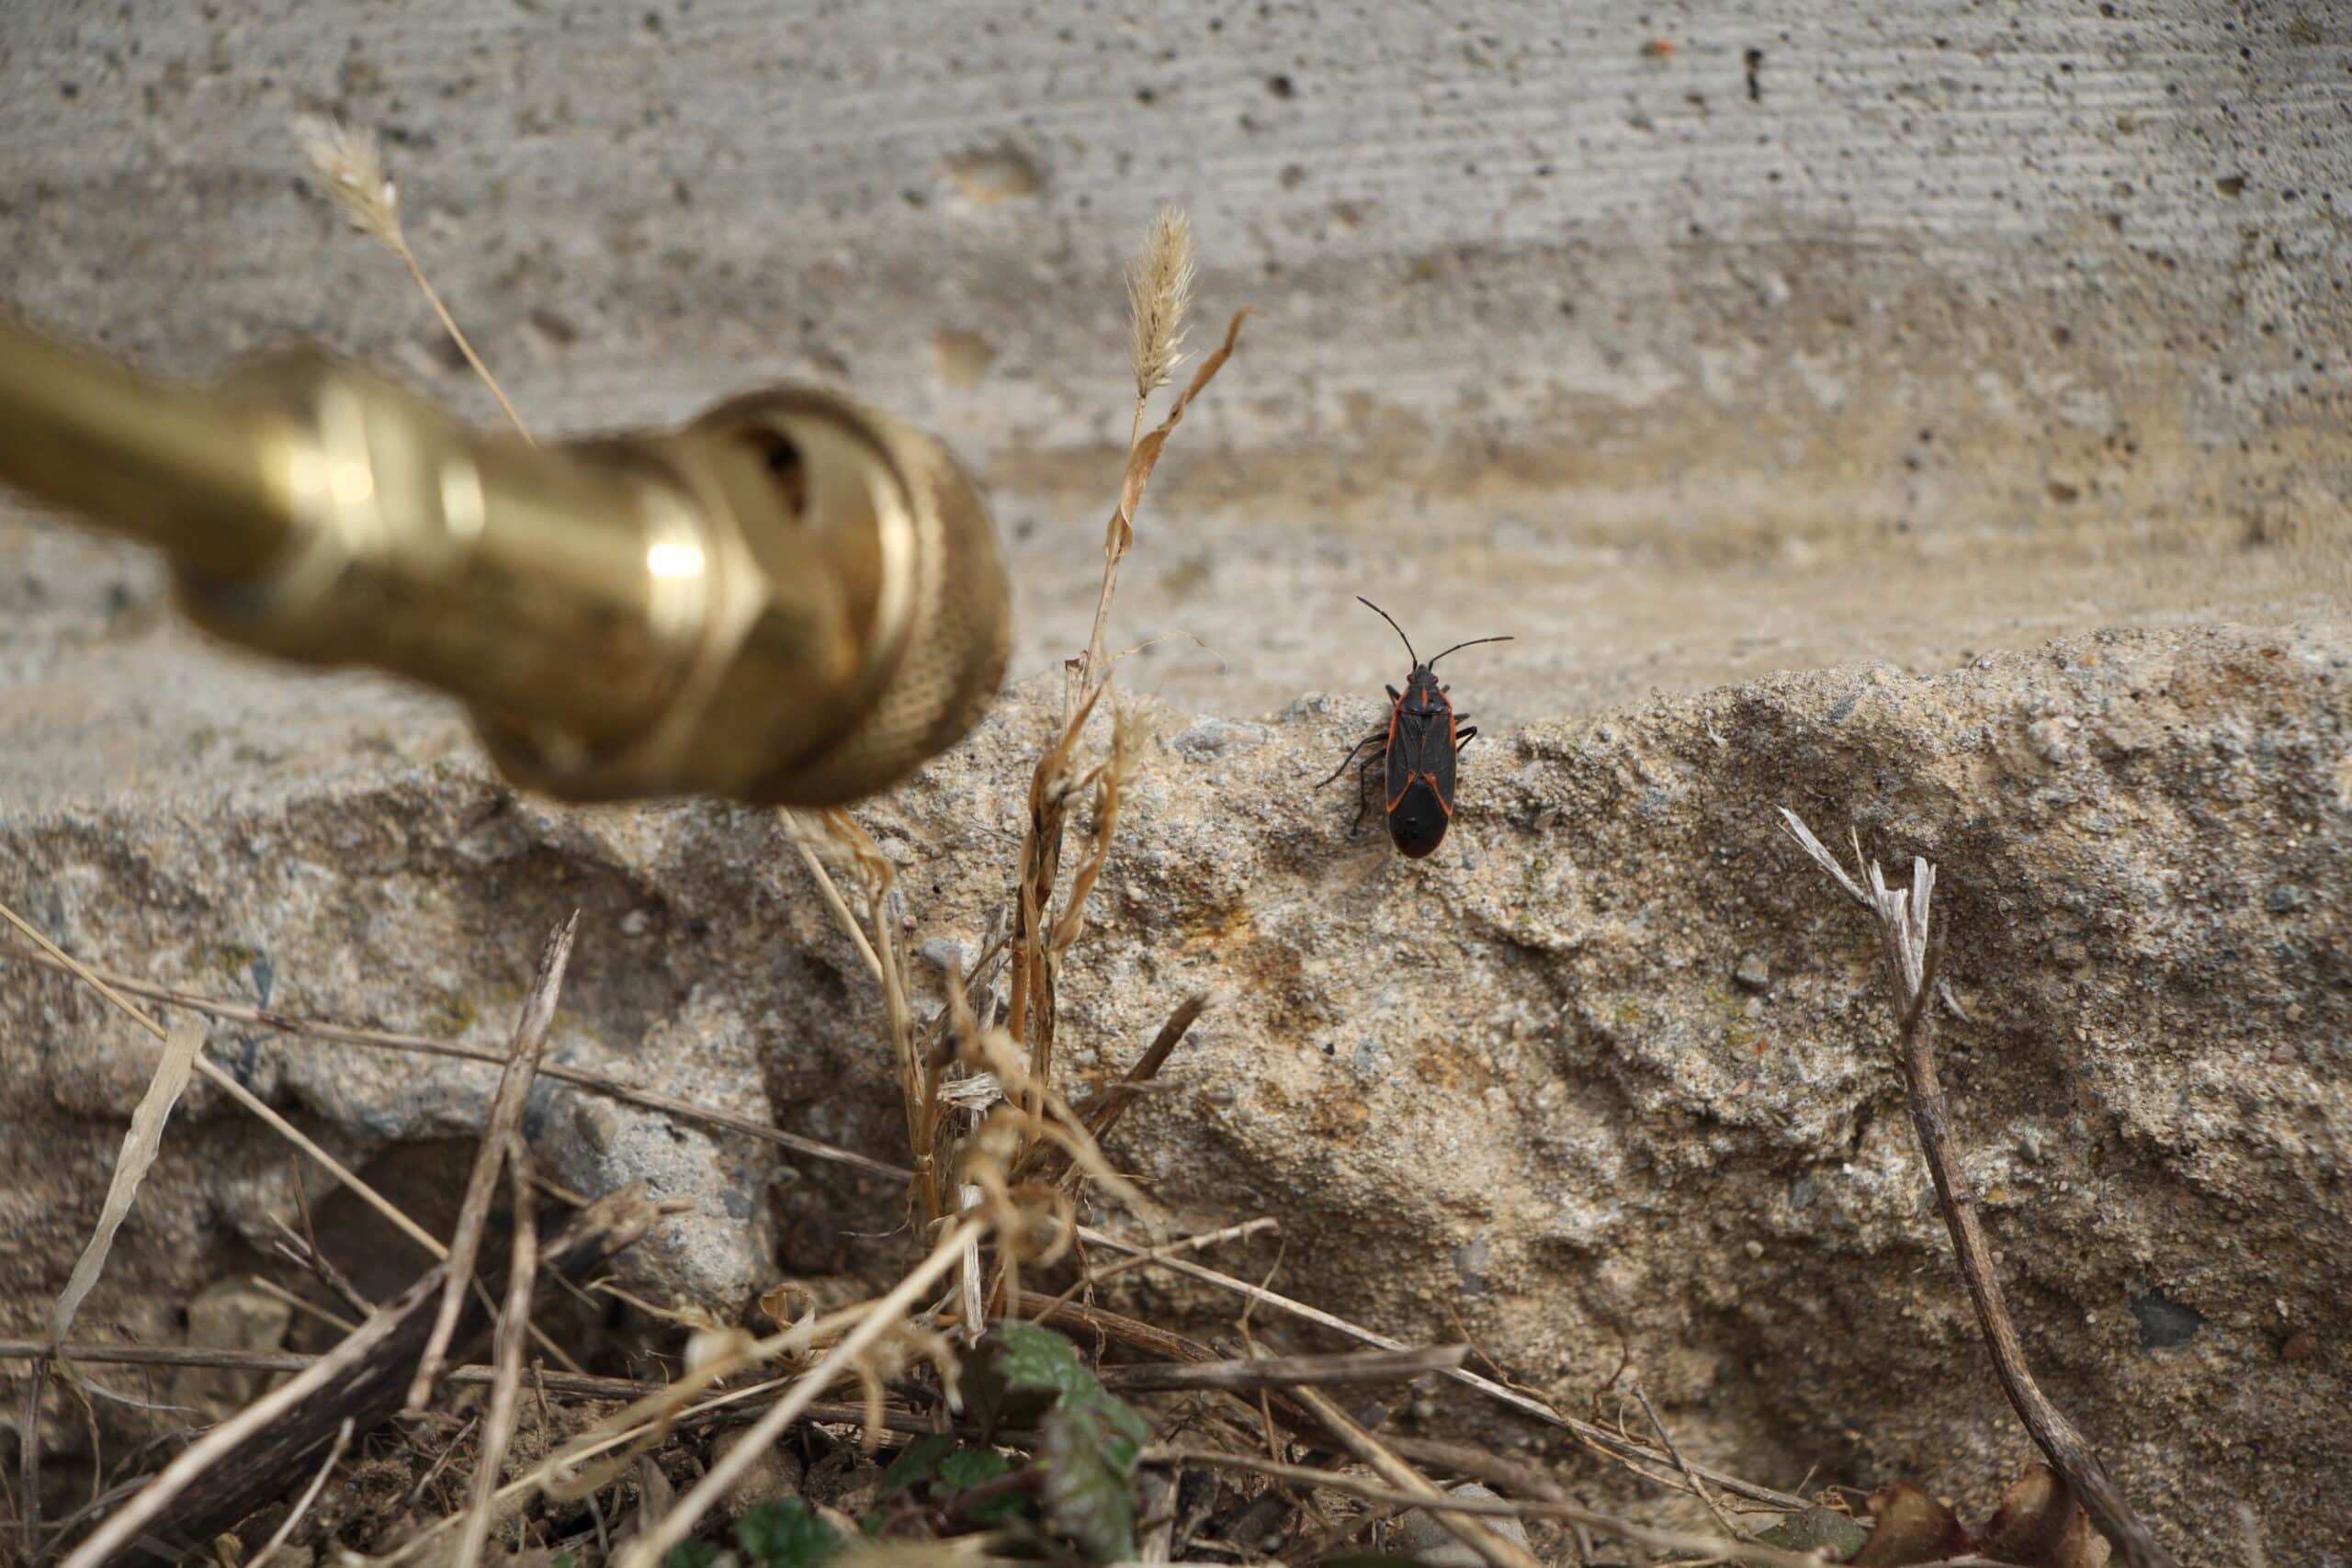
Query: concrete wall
{"x": 1668, "y": 320}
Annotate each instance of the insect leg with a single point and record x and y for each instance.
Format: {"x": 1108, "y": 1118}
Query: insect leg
{"x": 1377, "y": 737}
{"x": 1463, "y": 738}
{"x": 1364, "y": 792}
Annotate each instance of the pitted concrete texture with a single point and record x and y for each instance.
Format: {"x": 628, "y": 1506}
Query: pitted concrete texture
{"x": 1604, "y": 1080}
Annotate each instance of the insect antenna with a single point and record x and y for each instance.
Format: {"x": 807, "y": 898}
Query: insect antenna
{"x": 1460, "y": 645}
{"x": 1399, "y": 630}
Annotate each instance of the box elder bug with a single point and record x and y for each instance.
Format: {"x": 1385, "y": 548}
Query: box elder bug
{"x": 1418, "y": 752}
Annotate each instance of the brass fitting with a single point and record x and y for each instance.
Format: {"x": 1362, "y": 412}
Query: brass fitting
{"x": 793, "y": 599}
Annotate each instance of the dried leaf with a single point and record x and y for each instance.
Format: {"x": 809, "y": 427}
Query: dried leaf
{"x": 2039, "y": 1524}
{"x": 140, "y": 1145}
{"x": 1909, "y": 1527}
{"x": 1818, "y": 1530}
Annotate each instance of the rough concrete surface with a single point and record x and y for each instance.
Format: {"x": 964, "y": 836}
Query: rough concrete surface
{"x": 1965, "y": 330}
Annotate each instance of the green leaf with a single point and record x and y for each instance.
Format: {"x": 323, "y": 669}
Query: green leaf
{"x": 918, "y": 1464}
{"x": 1370, "y": 1560}
{"x": 1087, "y": 1458}
{"x": 967, "y": 1468}
{"x": 1019, "y": 1370}
{"x": 1089, "y": 1441}
{"x": 563, "y": 1560}
{"x": 692, "y": 1555}
{"x": 786, "y": 1534}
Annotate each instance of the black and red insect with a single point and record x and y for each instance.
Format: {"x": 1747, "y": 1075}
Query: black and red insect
{"x": 1417, "y": 754}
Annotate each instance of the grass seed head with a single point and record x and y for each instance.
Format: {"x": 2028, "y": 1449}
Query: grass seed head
{"x": 1159, "y": 287}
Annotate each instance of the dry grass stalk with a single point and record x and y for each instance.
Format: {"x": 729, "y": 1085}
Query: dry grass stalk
{"x": 505, "y": 1389}
{"x": 385, "y": 1040}
{"x": 1617, "y": 1446}
{"x": 1500, "y": 1550}
{"x": 1286, "y": 1371}
{"x": 278, "y": 1537}
{"x": 141, "y": 1144}
{"x": 350, "y": 160}
{"x": 1029, "y": 1005}
{"x": 1103, "y": 1113}
{"x": 227, "y": 1083}
{"x": 498, "y": 1136}
{"x": 1119, "y": 535}
{"x": 1159, "y": 289}
{"x": 1692, "y": 1549}
{"x": 1666, "y": 1440}
{"x": 1912, "y": 948}
{"x": 918, "y": 1077}
{"x": 303, "y": 1253}
{"x": 651, "y": 1547}
{"x": 362, "y": 1378}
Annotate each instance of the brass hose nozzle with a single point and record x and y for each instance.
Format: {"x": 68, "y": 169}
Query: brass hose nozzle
{"x": 793, "y": 599}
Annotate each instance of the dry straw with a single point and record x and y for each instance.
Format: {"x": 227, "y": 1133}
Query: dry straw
{"x": 351, "y": 162}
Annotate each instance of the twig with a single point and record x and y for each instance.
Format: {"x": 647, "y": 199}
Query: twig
{"x": 505, "y": 1116}
{"x": 1096, "y": 1276}
{"x": 506, "y": 1388}
{"x": 574, "y": 1385}
{"x": 418, "y": 1045}
{"x": 1616, "y": 1444}
{"x": 28, "y": 1461}
{"x": 227, "y": 1084}
{"x": 285, "y": 1297}
{"x": 1913, "y": 958}
{"x": 1706, "y": 1548}
{"x": 1281, "y": 1371}
{"x": 1477, "y": 1464}
{"x": 1498, "y": 1549}
{"x": 832, "y": 893}
{"x": 652, "y": 1545}
{"x": 448, "y": 1452}
{"x": 301, "y": 1250}
{"x": 1666, "y": 1440}
{"x": 242, "y": 1461}
{"x": 1102, "y": 1114}
{"x": 302, "y": 1504}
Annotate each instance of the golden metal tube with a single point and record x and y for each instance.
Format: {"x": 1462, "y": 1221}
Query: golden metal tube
{"x": 793, "y": 600}
{"x": 193, "y": 476}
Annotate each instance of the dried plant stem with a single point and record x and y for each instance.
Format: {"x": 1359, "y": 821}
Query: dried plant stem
{"x": 302, "y": 1504}
{"x": 398, "y": 242}
{"x": 301, "y": 1251}
{"x": 1704, "y": 1548}
{"x": 1666, "y": 1440}
{"x": 1500, "y": 1550}
{"x": 1913, "y": 958}
{"x": 507, "y": 1387}
{"x": 28, "y": 1459}
{"x": 830, "y": 892}
{"x": 418, "y": 1045}
{"x": 1286, "y": 1371}
{"x": 498, "y": 1137}
{"x": 652, "y": 1545}
{"x": 1615, "y": 1444}
{"x": 1118, "y": 535}
{"x": 368, "y": 1369}
{"x": 351, "y": 161}
{"x": 228, "y": 1085}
